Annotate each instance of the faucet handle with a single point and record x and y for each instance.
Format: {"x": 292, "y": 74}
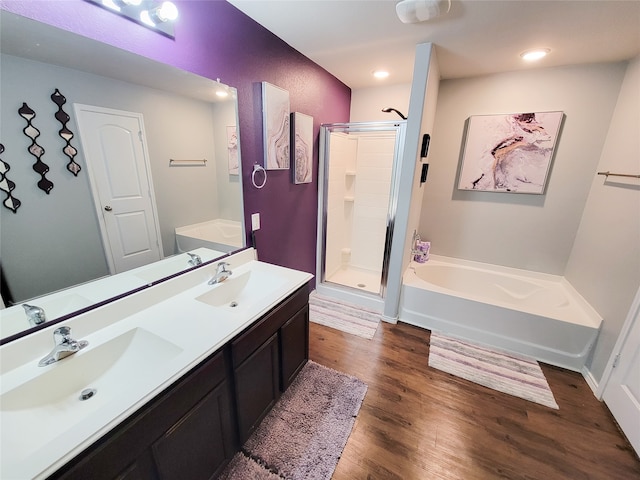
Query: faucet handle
{"x": 62, "y": 335}
{"x": 222, "y": 266}
{"x": 195, "y": 259}
{"x": 35, "y": 314}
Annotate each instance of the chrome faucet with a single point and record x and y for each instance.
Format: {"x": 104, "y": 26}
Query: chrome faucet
{"x": 195, "y": 259}
{"x": 221, "y": 273}
{"x": 64, "y": 346}
{"x": 35, "y": 314}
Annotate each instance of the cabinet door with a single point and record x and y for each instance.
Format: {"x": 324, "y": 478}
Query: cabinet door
{"x": 200, "y": 443}
{"x": 257, "y": 386}
{"x": 294, "y": 346}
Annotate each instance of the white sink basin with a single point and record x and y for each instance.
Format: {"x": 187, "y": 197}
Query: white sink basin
{"x": 242, "y": 291}
{"x": 49, "y": 404}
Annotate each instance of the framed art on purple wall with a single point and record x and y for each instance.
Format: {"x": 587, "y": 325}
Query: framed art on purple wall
{"x": 302, "y": 151}
{"x": 275, "y": 127}
{"x": 509, "y": 153}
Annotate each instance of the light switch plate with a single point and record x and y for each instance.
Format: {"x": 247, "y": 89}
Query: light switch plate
{"x": 255, "y": 221}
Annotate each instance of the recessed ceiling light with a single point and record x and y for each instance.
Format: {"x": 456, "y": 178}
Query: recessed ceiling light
{"x": 381, "y": 74}
{"x": 535, "y": 54}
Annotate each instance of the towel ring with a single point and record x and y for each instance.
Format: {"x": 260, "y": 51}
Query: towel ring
{"x": 257, "y": 168}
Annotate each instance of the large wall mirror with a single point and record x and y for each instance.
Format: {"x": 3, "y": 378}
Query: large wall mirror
{"x": 55, "y": 242}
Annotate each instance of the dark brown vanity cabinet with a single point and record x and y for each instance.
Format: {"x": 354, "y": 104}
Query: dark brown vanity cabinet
{"x": 186, "y": 432}
{"x": 192, "y": 429}
{"x": 267, "y": 357}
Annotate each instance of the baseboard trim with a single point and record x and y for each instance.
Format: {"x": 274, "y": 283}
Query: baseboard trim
{"x": 592, "y": 382}
{"x": 392, "y": 320}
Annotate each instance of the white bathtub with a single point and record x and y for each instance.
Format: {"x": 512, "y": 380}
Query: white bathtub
{"x": 526, "y": 312}
{"x": 218, "y": 234}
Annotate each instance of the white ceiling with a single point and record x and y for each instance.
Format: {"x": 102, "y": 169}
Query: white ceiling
{"x": 351, "y": 38}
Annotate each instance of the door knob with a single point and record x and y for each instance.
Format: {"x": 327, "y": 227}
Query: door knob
{"x": 108, "y": 208}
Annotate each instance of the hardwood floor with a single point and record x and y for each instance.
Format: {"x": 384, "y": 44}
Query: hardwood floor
{"x": 420, "y": 423}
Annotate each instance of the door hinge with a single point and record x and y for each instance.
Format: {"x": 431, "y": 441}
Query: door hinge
{"x": 615, "y": 361}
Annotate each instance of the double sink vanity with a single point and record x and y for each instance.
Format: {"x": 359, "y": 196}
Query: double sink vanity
{"x": 173, "y": 379}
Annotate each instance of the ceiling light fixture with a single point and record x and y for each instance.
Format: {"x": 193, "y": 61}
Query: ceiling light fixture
{"x": 380, "y": 74}
{"x": 165, "y": 12}
{"x": 535, "y": 54}
{"x": 416, "y": 11}
{"x": 154, "y": 14}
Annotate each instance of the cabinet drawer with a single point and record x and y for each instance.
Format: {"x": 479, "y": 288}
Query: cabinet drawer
{"x": 256, "y": 335}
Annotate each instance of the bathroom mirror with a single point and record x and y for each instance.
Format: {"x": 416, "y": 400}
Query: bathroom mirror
{"x": 54, "y": 242}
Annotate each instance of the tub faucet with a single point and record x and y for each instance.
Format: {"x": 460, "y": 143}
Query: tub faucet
{"x": 221, "y": 273}
{"x": 64, "y": 346}
{"x": 35, "y": 314}
{"x": 195, "y": 259}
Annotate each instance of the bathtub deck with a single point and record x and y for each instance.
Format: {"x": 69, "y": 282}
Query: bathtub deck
{"x": 419, "y": 423}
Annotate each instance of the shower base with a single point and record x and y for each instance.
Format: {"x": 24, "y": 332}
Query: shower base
{"x": 354, "y": 277}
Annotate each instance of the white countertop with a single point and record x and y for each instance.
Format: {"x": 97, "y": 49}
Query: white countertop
{"x": 36, "y": 440}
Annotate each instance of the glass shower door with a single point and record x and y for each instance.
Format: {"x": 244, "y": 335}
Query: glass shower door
{"x": 358, "y": 208}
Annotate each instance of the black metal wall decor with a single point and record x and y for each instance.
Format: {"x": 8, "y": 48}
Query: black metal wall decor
{"x": 65, "y": 133}
{"x": 34, "y": 149}
{"x": 7, "y": 185}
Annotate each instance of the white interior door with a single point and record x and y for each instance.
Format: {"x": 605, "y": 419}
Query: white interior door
{"x": 622, "y": 391}
{"x": 115, "y": 150}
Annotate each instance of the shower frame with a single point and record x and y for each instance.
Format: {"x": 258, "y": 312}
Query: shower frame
{"x": 399, "y": 127}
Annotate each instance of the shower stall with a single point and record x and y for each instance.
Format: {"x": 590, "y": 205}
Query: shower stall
{"x": 358, "y": 189}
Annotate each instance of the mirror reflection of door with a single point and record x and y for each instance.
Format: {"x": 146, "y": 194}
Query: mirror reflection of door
{"x": 115, "y": 150}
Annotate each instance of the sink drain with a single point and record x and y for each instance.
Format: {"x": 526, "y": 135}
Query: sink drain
{"x": 87, "y": 393}
{"x": 233, "y": 304}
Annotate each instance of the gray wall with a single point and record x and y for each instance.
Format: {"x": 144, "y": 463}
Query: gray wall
{"x": 228, "y": 186}
{"x": 57, "y": 235}
{"x": 534, "y": 232}
{"x": 605, "y": 261}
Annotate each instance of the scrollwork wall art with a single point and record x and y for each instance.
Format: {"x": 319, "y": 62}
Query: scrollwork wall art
{"x": 34, "y": 149}
{"x": 275, "y": 127}
{"x": 509, "y": 153}
{"x": 302, "y": 151}
{"x": 65, "y": 133}
{"x": 7, "y": 185}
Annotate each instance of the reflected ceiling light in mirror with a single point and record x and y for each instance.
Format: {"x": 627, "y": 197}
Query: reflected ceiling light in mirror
{"x": 158, "y": 16}
{"x": 534, "y": 54}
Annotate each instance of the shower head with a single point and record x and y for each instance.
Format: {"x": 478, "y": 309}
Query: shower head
{"x": 389, "y": 110}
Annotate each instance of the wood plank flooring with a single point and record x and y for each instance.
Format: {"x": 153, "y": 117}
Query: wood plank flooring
{"x": 420, "y": 423}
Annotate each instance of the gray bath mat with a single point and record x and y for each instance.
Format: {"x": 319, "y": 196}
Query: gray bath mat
{"x": 303, "y": 436}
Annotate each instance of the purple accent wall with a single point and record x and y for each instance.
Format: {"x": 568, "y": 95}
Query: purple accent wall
{"x": 216, "y": 40}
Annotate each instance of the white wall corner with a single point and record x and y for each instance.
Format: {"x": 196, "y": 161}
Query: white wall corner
{"x": 398, "y": 259}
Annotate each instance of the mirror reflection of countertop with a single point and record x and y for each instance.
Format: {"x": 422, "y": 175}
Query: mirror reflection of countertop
{"x": 138, "y": 346}
{"x": 14, "y": 320}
